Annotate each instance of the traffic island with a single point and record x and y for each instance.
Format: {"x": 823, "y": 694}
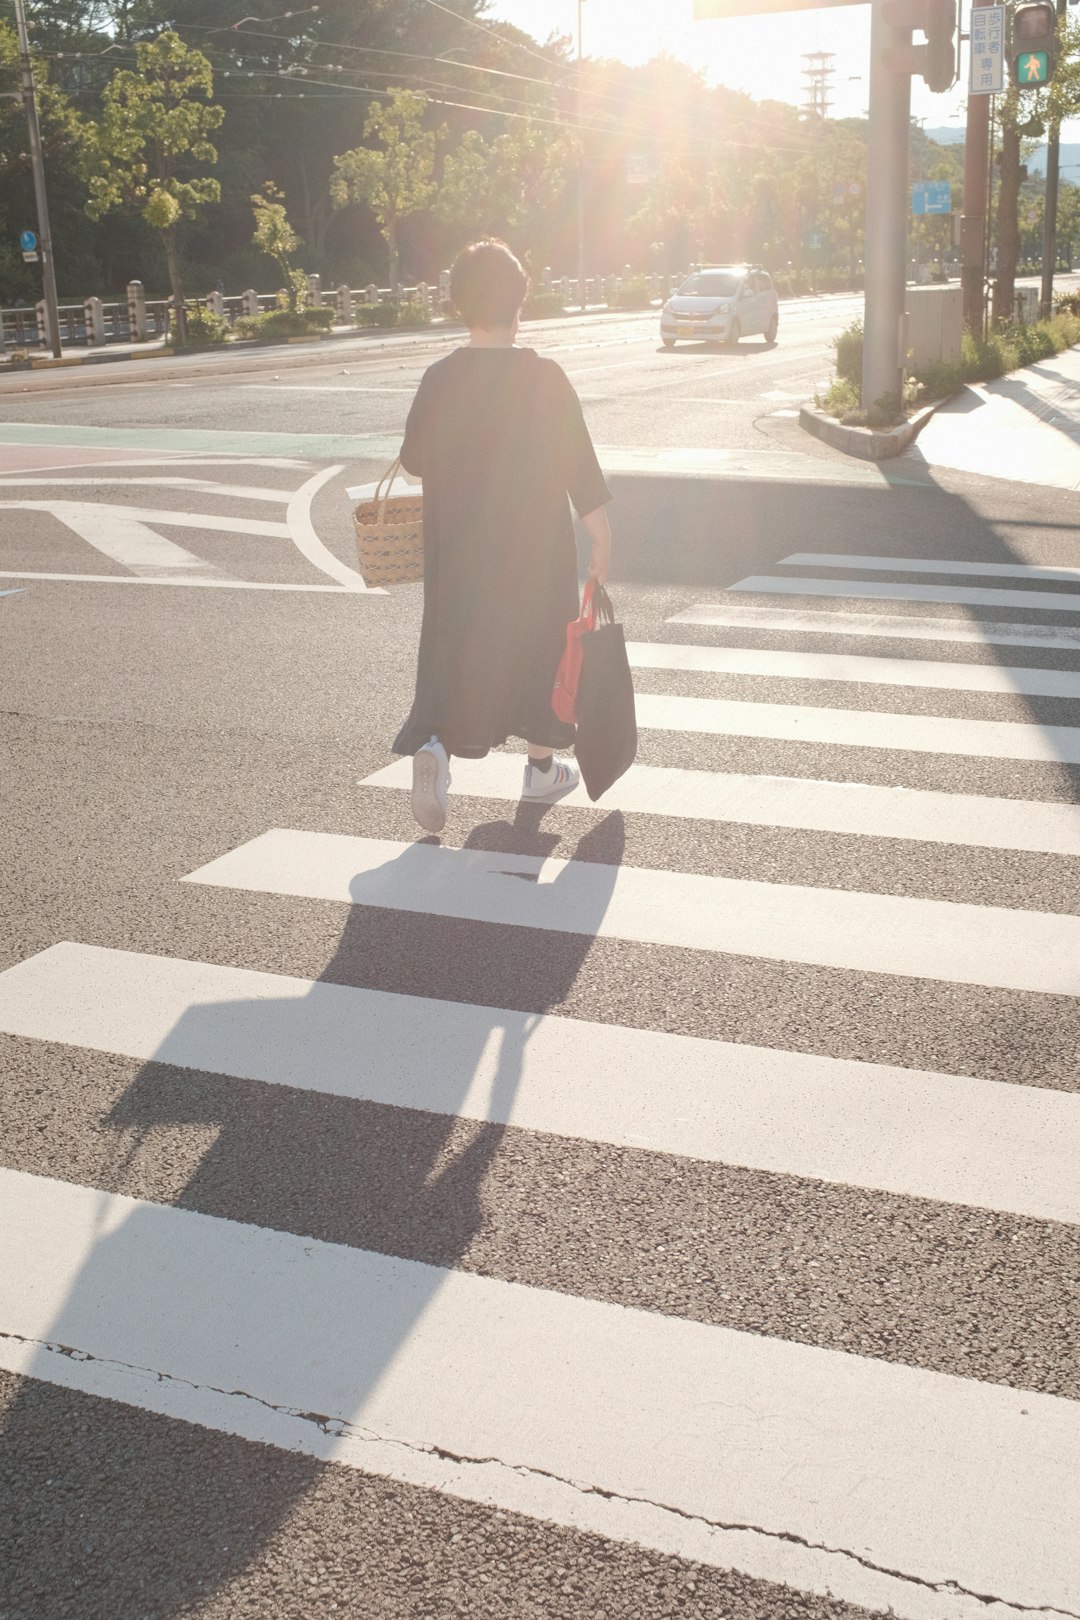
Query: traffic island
{"x": 869, "y": 444}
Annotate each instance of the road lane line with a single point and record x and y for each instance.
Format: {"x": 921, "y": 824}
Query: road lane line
{"x": 301, "y": 530}
{"x": 882, "y": 591}
{"x": 859, "y": 728}
{"x": 89, "y": 512}
{"x": 526, "y": 1398}
{"x": 815, "y": 621}
{"x": 201, "y": 581}
{"x": 788, "y": 801}
{"x": 866, "y": 933}
{"x": 197, "y": 486}
{"x": 929, "y": 565}
{"x": 979, "y": 1143}
{"x": 952, "y": 677}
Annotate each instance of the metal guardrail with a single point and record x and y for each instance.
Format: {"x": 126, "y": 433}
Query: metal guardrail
{"x": 94, "y": 323}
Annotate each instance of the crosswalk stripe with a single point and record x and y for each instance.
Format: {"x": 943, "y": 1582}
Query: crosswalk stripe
{"x": 953, "y": 677}
{"x": 788, "y": 801}
{"x": 860, "y": 728}
{"x": 818, "y": 621}
{"x": 928, "y": 565}
{"x": 883, "y": 591}
{"x": 930, "y": 1476}
{"x": 870, "y": 933}
{"x": 981, "y": 1143}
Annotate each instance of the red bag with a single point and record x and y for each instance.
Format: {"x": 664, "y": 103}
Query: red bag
{"x": 564, "y": 696}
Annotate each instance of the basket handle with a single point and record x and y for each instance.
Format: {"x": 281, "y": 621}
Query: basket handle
{"x": 388, "y": 479}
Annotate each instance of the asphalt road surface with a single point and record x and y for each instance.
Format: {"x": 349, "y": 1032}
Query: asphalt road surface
{"x": 662, "y": 1207}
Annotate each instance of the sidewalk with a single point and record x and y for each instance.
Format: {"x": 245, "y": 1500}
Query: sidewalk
{"x": 1025, "y": 427}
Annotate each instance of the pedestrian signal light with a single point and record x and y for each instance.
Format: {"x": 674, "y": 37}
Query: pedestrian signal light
{"x": 1034, "y": 43}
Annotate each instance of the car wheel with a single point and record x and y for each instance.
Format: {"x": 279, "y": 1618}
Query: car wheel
{"x": 735, "y": 334}
{"x": 772, "y": 329}
{"x": 669, "y": 343}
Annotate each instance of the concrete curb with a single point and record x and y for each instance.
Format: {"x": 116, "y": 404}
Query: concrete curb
{"x": 869, "y": 444}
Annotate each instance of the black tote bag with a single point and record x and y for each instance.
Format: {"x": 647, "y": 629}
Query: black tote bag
{"x": 606, "y": 719}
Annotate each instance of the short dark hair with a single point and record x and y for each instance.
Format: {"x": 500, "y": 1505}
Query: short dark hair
{"x": 487, "y": 284}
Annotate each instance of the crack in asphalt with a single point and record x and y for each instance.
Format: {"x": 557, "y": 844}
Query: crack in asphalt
{"x": 342, "y": 1428}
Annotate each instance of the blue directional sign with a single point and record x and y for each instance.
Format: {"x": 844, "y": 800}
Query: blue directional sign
{"x": 931, "y": 197}
{"x": 28, "y": 241}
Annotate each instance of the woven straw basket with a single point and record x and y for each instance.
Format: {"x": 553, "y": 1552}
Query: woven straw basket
{"x": 390, "y": 535}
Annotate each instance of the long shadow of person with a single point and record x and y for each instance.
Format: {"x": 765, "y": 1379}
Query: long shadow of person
{"x": 357, "y": 1143}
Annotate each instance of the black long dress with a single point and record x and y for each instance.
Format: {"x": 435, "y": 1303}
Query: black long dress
{"x": 499, "y": 440}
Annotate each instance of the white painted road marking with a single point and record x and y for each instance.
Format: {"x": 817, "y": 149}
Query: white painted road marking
{"x": 858, "y": 728}
{"x": 307, "y": 542}
{"x": 954, "y": 677}
{"x": 74, "y": 513}
{"x": 980, "y": 1143}
{"x": 788, "y": 801}
{"x": 802, "y": 621}
{"x": 930, "y": 565}
{"x": 198, "y": 486}
{"x": 525, "y": 1397}
{"x": 868, "y": 933}
{"x": 119, "y": 535}
{"x": 883, "y": 591}
{"x": 201, "y": 580}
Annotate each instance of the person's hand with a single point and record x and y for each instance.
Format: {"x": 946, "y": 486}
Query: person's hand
{"x": 599, "y": 532}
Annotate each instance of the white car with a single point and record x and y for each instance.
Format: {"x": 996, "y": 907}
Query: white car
{"x": 721, "y": 303}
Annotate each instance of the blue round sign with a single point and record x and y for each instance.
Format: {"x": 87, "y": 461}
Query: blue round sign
{"x": 28, "y": 241}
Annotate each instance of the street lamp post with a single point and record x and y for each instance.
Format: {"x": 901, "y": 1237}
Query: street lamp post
{"x": 37, "y": 162}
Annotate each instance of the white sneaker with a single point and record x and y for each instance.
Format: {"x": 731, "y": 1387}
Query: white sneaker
{"x": 551, "y": 784}
{"x": 430, "y": 785}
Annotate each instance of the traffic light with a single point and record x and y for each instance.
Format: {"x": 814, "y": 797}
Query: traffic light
{"x": 1034, "y": 43}
{"x": 935, "y": 61}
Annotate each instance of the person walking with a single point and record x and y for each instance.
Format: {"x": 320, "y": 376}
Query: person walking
{"x": 497, "y": 436}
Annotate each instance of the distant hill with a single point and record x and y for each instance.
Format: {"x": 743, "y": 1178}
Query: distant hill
{"x": 953, "y": 135}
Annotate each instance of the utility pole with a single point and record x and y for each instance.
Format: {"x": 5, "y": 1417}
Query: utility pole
{"x": 37, "y": 161}
{"x": 887, "y": 206}
{"x": 973, "y": 222}
{"x": 581, "y": 172}
{"x": 1050, "y": 206}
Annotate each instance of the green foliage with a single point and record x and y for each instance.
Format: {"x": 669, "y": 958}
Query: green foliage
{"x": 155, "y": 126}
{"x": 940, "y": 379}
{"x": 542, "y": 306}
{"x": 201, "y": 325}
{"x": 275, "y": 237}
{"x": 376, "y": 314}
{"x": 849, "y": 353}
{"x": 633, "y": 293}
{"x": 412, "y": 312}
{"x": 286, "y": 323}
{"x": 397, "y": 178}
{"x": 839, "y": 398}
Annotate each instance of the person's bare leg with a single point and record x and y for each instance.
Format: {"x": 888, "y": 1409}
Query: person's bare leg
{"x": 539, "y": 750}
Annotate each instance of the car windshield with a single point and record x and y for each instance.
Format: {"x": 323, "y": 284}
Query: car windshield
{"x": 711, "y": 284}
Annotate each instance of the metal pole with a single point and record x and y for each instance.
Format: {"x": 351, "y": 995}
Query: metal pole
{"x": 37, "y": 162}
{"x": 580, "y": 174}
{"x": 976, "y": 195}
{"x": 887, "y": 205}
{"x": 1050, "y": 205}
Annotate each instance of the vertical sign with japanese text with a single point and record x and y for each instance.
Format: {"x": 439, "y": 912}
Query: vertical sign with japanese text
{"x": 987, "y": 50}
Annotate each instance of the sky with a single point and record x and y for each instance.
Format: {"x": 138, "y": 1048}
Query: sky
{"x": 763, "y": 56}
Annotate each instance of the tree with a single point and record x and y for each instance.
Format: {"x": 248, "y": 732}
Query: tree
{"x": 397, "y": 181}
{"x": 154, "y": 126}
{"x": 275, "y": 237}
{"x": 61, "y": 136}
